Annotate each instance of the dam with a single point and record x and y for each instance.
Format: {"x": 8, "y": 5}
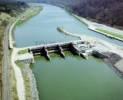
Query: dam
{"x": 72, "y": 78}
{"x": 73, "y": 46}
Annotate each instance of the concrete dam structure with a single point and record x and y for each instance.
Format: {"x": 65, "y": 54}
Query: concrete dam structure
{"x": 76, "y": 47}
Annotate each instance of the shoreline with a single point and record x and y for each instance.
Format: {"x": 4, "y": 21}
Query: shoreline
{"x": 108, "y": 31}
{"x": 18, "y": 72}
{"x": 114, "y": 53}
{"x": 28, "y": 14}
{"x": 114, "y": 68}
{"x": 31, "y": 92}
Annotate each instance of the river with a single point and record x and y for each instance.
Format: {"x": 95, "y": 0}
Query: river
{"x": 43, "y": 28}
{"x": 72, "y": 78}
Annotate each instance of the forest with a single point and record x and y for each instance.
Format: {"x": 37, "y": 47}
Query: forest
{"x": 105, "y": 11}
{"x": 109, "y": 12}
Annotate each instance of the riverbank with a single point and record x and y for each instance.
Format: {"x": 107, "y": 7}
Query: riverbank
{"x": 29, "y": 81}
{"x": 21, "y": 86}
{"x": 5, "y": 57}
{"x": 29, "y": 13}
{"x": 102, "y": 29}
{"x": 110, "y": 53}
{"x": 115, "y": 61}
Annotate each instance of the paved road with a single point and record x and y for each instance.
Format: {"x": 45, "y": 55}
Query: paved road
{"x": 6, "y": 67}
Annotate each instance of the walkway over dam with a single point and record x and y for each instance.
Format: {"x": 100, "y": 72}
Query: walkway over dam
{"x": 76, "y": 47}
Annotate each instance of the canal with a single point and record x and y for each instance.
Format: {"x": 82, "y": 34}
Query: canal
{"x": 72, "y": 78}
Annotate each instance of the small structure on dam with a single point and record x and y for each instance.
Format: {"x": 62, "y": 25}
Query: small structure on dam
{"x": 79, "y": 47}
{"x": 27, "y": 58}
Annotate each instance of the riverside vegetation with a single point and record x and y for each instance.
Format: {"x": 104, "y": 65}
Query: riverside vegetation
{"x": 26, "y": 72}
{"x": 105, "y": 11}
{"x": 8, "y": 12}
{"x": 4, "y": 19}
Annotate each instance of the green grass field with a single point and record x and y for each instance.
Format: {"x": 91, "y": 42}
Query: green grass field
{"x": 111, "y": 34}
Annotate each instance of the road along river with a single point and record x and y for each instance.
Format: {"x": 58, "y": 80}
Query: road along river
{"x": 72, "y": 78}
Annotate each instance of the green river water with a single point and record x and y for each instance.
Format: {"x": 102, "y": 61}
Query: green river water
{"x": 72, "y": 78}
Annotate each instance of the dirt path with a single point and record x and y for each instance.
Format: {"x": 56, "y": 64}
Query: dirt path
{"x": 18, "y": 75}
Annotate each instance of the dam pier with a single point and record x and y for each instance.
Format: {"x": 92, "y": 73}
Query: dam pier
{"x": 81, "y": 48}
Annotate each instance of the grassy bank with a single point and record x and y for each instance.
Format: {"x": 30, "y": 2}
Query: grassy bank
{"x": 110, "y": 34}
{"x": 29, "y": 13}
{"x": 13, "y": 86}
{"x": 105, "y": 31}
{"x": 83, "y": 20}
{"x": 26, "y": 15}
{"x": 4, "y": 20}
{"x": 23, "y": 17}
{"x": 27, "y": 81}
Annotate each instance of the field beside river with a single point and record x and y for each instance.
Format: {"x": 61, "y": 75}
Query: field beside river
{"x": 102, "y": 29}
